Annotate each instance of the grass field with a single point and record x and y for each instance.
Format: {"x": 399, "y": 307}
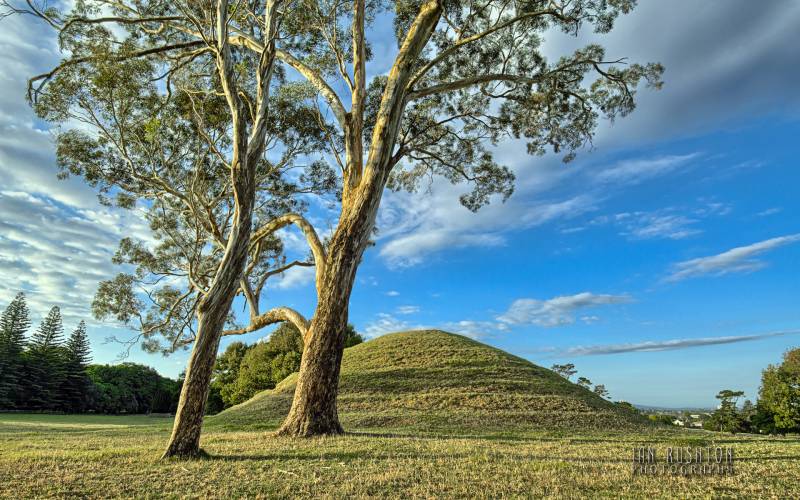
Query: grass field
{"x": 429, "y": 415}
{"x": 103, "y": 457}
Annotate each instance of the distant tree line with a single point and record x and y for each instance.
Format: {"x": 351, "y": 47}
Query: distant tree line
{"x": 777, "y": 410}
{"x": 243, "y": 370}
{"x": 568, "y": 370}
{"x": 46, "y": 372}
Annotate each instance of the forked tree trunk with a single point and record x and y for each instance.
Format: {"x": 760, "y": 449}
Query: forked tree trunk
{"x": 314, "y": 410}
{"x": 314, "y": 405}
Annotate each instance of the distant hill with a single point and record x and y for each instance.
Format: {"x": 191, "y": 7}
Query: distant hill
{"x": 433, "y": 381}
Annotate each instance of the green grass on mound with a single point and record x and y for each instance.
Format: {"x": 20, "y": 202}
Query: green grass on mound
{"x": 433, "y": 381}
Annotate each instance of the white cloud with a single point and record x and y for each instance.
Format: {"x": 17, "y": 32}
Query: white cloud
{"x": 392, "y": 293}
{"x": 668, "y": 345}
{"x": 411, "y": 249}
{"x": 407, "y": 309}
{"x": 415, "y": 226}
{"x": 639, "y": 170}
{"x": 557, "y": 311}
{"x": 709, "y": 77}
{"x": 56, "y": 240}
{"x": 386, "y": 323}
{"x": 769, "y": 211}
{"x": 474, "y": 329}
{"x": 294, "y": 277}
{"x": 57, "y": 254}
{"x": 651, "y": 225}
{"x": 736, "y": 260}
{"x": 674, "y": 227}
{"x": 673, "y": 223}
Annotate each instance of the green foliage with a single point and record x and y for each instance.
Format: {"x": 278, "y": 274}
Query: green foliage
{"x": 778, "y": 409}
{"x": 49, "y": 374}
{"x": 132, "y": 388}
{"x": 352, "y": 337}
{"x": 501, "y": 85}
{"x": 726, "y": 418}
{"x": 13, "y": 326}
{"x": 661, "y": 419}
{"x": 601, "y": 391}
{"x": 242, "y": 371}
{"x": 46, "y": 360}
{"x": 566, "y": 370}
{"x": 584, "y": 382}
{"x": 226, "y": 371}
{"x": 76, "y": 385}
{"x": 626, "y": 406}
{"x": 154, "y": 133}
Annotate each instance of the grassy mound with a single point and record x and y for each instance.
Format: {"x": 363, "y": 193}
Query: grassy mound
{"x": 433, "y": 381}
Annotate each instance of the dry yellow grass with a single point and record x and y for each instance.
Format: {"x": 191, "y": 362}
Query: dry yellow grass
{"x": 431, "y": 415}
{"x": 64, "y": 456}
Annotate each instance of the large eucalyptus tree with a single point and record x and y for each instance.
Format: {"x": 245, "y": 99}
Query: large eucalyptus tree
{"x": 466, "y": 74}
{"x": 155, "y": 109}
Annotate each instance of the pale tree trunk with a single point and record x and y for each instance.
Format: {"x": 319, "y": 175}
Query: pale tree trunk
{"x": 212, "y": 314}
{"x": 215, "y": 305}
{"x": 314, "y": 409}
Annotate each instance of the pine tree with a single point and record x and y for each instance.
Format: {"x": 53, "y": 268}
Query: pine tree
{"x": 75, "y": 386}
{"x": 46, "y": 359}
{"x": 13, "y": 325}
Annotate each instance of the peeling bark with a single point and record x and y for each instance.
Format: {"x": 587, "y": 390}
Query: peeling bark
{"x": 213, "y": 309}
{"x": 314, "y": 409}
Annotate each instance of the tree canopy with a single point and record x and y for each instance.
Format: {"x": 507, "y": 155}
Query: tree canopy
{"x": 779, "y": 395}
{"x": 184, "y": 103}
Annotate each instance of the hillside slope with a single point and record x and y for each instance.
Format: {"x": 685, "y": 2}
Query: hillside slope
{"x": 433, "y": 381}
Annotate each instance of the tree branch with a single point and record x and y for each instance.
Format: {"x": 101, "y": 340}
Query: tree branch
{"x": 320, "y": 257}
{"x": 466, "y": 41}
{"x": 45, "y": 77}
{"x": 276, "y": 315}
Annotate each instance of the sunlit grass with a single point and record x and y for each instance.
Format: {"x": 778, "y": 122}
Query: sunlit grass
{"x": 119, "y": 458}
{"x": 429, "y": 415}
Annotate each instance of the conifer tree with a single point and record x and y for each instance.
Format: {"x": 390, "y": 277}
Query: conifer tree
{"x": 47, "y": 363}
{"x": 13, "y": 325}
{"x": 75, "y": 384}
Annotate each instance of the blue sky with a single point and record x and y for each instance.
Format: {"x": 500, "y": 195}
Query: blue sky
{"x": 663, "y": 263}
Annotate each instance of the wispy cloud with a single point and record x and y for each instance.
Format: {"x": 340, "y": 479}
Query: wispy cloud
{"x": 295, "y": 277}
{"x": 736, "y": 260}
{"x": 557, "y": 311}
{"x": 475, "y": 329}
{"x": 769, "y": 211}
{"x": 640, "y": 170}
{"x": 668, "y": 345}
{"x": 57, "y": 253}
{"x": 385, "y": 323}
{"x": 651, "y": 225}
{"x": 673, "y": 223}
{"x": 407, "y": 309}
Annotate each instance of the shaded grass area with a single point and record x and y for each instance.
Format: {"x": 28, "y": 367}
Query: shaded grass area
{"x": 68, "y": 456}
{"x": 432, "y": 382}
